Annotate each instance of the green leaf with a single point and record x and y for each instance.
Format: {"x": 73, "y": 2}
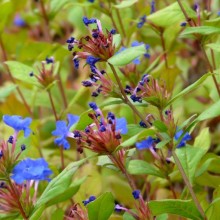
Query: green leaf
{"x": 6, "y": 9}
{"x": 160, "y": 125}
{"x": 125, "y": 4}
{"x": 59, "y": 184}
{"x": 138, "y": 167}
{"x": 58, "y": 214}
{"x": 214, "y": 46}
{"x": 117, "y": 40}
{"x": 127, "y": 216}
{"x": 163, "y": 143}
{"x": 211, "y": 112}
{"x": 202, "y": 30}
{"x": 68, "y": 193}
{"x": 37, "y": 213}
{"x": 170, "y": 15}
{"x": 143, "y": 134}
{"x": 127, "y": 55}
{"x": 102, "y": 207}
{"x": 190, "y": 158}
{"x": 21, "y": 72}
{"x": 6, "y": 91}
{"x": 56, "y": 6}
{"x": 185, "y": 208}
{"x": 203, "y": 141}
{"x": 190, "y": 88}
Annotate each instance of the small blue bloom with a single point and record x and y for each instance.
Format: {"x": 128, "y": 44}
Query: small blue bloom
{"x": 136, "y": 98}
{"x": 18, "y": 21}
{"x": 185, "y": 138}
{"x": 145, "y": 144}
{"x": 142, "y": 124}
{"x": 18, "y": 123}
{"x": 218, "y": 13}
{"x": 62, "y": 131}
{"x": 29, "y": 169}
{"x": 91, "y": 1}
{"x": 1, "y": 154}
{"x": 87, "y": 21}
{"x": 121, "y": 125}
{"x": 136, "y": 194}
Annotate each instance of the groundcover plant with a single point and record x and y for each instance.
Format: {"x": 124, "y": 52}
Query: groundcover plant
{"x": 109, "y": 109}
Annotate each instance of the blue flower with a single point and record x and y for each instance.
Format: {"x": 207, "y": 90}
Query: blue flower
{"x": 62, "y": 131}
{"x": 29, "y": 169}
{"x": 183, "y": 24}
{"x": 18, "y": 123}
{"x": 145, "y": 144}
{"x": 218, "y": 13}
{"x": 121, "y": 125}
{"x": 87, "y": 201}
{"x": 183, "y": 141}
{"x": 136, "y": 194}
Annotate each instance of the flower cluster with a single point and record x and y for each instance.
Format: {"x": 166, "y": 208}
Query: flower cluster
{"x": 103, "y": 136}
{"x": 97, "y": 47}
{"x": 103, "y": 84}
{"x": 150, "y": 90}
{"x": 46, "y": 73}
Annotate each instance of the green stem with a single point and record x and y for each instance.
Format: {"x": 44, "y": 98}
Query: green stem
{"x": 188, "y": 184}
{"x": 120, "y": 22}
{"x": 56, "y": 118}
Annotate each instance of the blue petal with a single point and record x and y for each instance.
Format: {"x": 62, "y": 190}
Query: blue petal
{"x": 121, "y": 125}
{"x": 72, "y": 119}
{"x": 145, "y": 144}
{"x": 61, "y": 128}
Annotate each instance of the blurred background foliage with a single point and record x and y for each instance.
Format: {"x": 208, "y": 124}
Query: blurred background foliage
{"x": 31, "y": 31}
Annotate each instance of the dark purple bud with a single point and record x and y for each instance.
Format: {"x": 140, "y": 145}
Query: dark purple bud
{"x": 87, "y": 83}
{"x": 92, "y": 198}
{"x": 136, "y": 194}
{"x": 49, "y": 60}
{"x": 87, "y": 21}
{"x": 102, "y": 128}
{"x": 183, "y": 24}
{"x": 136, "y": 98}
{"x": 77, "y": 134}
{"x": 113, "y": 31}
{"x": 142, "y": 124}
{"x": 70, "y": 40}
{"x": 93, "y": 106}
{"x": 76, "y": 63}
{"x": 10, "y": 139}
{"x": 23, "y": 147}
{"x": 31, "y": 74}
{"x": 1, "y": 154}
{"x": 111, "y": 116}
{"x": 118, "y": 136}
{"x": 95, "y": 94}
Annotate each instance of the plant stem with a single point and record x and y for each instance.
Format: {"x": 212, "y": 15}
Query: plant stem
{"x": 125, "y": 98}
{"x": 62, "y": 91}
{"x": 4, "y": 55}
{"x": 120, "y": 22}
{"x": 46, "y": 21}
{"x": 56, "y": 118}
{"x": 188, "y": 184}
{"x": 164, "y": 48}
{"x": 192, "y": 24}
